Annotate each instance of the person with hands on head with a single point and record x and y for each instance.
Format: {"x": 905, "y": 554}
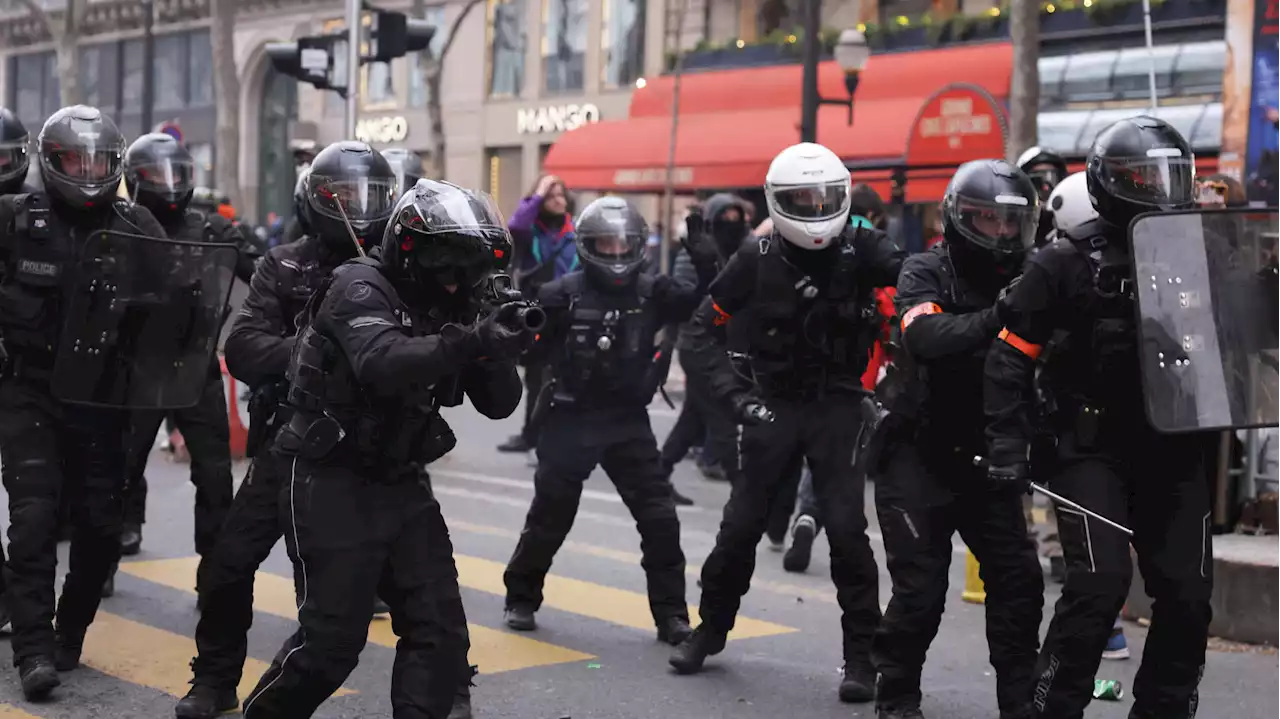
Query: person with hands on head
{"x": 391, "y": 339}
{"x": 1106, "y": 455}
{"x": 927, "y": 486}
{"x": 542, "y": 231}
{"x": 807, "y": 289}
{"x": 599, "y": 347}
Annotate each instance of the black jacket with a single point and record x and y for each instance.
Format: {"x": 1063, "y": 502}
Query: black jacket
{"x": 261, "y": 339}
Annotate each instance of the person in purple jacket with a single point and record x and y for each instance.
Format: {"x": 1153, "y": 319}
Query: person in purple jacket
{"x": 545, "y": 250}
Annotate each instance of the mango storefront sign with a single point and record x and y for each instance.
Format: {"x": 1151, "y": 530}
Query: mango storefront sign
{"x": 382, "y": 130}
{"x": 555, "y": 118}
{"x": 957, "y": 124}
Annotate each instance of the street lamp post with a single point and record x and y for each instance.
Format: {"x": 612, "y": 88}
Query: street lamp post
{"x": 851, "y": 54}
{"x": 148, "y": 64}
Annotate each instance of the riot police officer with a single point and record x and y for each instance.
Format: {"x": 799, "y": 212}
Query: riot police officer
{"x": 47, "y": 447}
{"x": 388, "y": 342}
{"x": 159, "y": 175}
{"x": 14, "y": 149}
{"x": 407, "y": 165}
{"x": 808, "y": 290}
{"x": 257, "y": 353}
{"x": 927, "y": 486}
{"x": 1108, "y": 458}
{"x": 600, "y": 345}
{"x": 1046, "y": 169}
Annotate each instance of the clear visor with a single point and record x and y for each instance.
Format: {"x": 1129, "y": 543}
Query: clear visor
{"x": 1007, "y": 225}
{"x": 620, "y": 250}
{"x": 1045, "y": 178}
{"x": 361, "y": 201}
{"x": 454, "y": 229}
{"x": 13, "y": 159}
{"x": 812, "y": 202}
{"x": 84, "y": 165}
{"x": 166, "y": 177}
{"x": 1154, "y": 181}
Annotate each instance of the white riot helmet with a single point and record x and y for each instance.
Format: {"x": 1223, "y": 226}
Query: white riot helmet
{"x": 1070, "y": 203}
{"x": 807, "y": 190}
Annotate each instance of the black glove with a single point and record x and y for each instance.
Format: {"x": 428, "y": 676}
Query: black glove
{"x": 701, "y": 248}
{"x": 751, "y": 410}
{"x": 1014, "y": 475}
{"x": 501, "y": 338}
{"x": 1004, "y": 304}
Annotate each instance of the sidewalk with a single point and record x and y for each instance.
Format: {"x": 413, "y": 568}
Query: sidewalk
{"x": 1245, "y": 591}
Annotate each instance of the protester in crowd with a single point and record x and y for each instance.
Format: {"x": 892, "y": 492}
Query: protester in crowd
{"x": 545, "y": 250}
{"x": 1220, "y": 191}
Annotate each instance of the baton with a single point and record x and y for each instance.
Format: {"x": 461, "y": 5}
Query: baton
{"x": 982, "y": 462}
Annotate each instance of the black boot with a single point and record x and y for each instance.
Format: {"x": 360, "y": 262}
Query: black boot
{"x": 858, "y": 685}
{"x": 674, "y": 630}
{"x": 109, "y": 586}
{"x": 899, "y": 712}
{"x": 692, "y": 652}
{"x": 802, "y": 533}
{"x": 380, "y": 607}
{"x": 206, "y": 702}
{"x": 461, "y": 708}
{"x": 70, "y": 644}
{"x": 519, "y": 618}
{"x": 680, "y": 499}
{"x": 6, "y": 617}
{"x": 131, "y": 539}
{"x": 39, "y": 677}
{"x": 515, "y": 443}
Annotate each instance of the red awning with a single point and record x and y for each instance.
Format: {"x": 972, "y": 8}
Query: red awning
{"x": 733, "y": 123}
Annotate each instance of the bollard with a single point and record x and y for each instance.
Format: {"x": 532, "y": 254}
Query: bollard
{"x": 239, "y": 434}
{"x": 974, "y": 591}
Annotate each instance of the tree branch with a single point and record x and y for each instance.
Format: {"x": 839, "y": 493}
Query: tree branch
{"x": 38, "y": 13}
{"x": 453, "y": 29}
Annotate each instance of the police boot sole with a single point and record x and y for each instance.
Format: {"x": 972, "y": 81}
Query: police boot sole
{"x": 798, "y": 554}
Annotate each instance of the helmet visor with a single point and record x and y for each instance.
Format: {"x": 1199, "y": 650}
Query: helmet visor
{"x": 1155, "y": 180}
{"x": 812, "y": 202}
{"x": 87, "y": 165}
{"x": 360, "y": 201}
{"x": 1007, "y": 225}
{"x": 454, "y": 229}
{"x": 618, "y": 251}
{"x": 13, "y": 159}
{"x": 165, "y": 177}
{"x": 1045, "y": 178}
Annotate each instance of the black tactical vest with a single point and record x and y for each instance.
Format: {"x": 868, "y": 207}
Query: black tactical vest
{"x": 40, "y": 257}
{"x": 610, "y": 353}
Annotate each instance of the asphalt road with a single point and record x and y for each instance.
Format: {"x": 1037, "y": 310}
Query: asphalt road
{"x": 594, "y": 655}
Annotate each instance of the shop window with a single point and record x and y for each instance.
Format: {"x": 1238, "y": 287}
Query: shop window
{"x": 35, "y": 88}
{"x": 418, "y": 61}
{"x": 200, "y": 76}
{"x": 1132, "y": 81}
{"x": 1058, "y": 131}
{"x": 622, "y": 43}
{"x": 131, "y": 92}
{"x": 777, "y": 15}
{"x": 1088, "y": 76}
{"x": 202, "y": 158}
{"x": 507, "y": 37}
{"x": 98, "y": 75}
{"x": 1199, "y": 68}
{"x": 1207, "y": 134}
{"x": 169, "y": 71}
{"x": 1051, "y": 71}
{"x": 379, "y": 90}
{"x": 564, "y": 44}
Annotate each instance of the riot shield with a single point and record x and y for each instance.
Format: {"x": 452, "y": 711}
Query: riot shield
{"x": 1207, "y": 304}
{"x": 141, "y": 321}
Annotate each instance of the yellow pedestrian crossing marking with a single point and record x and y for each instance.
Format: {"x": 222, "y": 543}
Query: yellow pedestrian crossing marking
{"x": 150, "y": 657}
{"x": 492, "y": 650}
{"x": 616, "y": 606}
{"x": 8, "y": 712}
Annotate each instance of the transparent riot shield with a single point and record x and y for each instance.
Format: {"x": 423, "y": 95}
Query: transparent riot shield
{"x": 1207, "y": 302}
{"x": 142, "y": 321}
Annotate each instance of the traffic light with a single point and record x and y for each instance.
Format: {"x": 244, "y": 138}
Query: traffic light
{"x": 395, "y": 35}
{"x": 311, "y": 60}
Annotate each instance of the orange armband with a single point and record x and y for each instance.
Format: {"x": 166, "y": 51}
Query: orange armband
{"x": 1023, "y": 346}
{"x": 924, "y": 308}
{"x": 722, "y": 317}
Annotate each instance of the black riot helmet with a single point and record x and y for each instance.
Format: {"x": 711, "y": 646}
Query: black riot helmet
{"x": 407, "y": 165}
{"x": 1046, "y": 169}
{"x": 611, "y": 238}
{"x": 81, "y": 156}
{"x": 160, "y": 175}
{"x": 446, "y": 239}
{"x": 350, "y": 186}
{"x": 989, "y": 217}
{"x": 14, "y": 146}
{"x": 300, "y": 200}
{"x": 1141, "y": 164}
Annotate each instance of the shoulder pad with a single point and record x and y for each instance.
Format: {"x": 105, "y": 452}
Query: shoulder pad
{"x": 363, "y": 271}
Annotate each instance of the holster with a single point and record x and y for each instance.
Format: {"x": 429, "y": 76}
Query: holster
{"x": 265, "y": 415}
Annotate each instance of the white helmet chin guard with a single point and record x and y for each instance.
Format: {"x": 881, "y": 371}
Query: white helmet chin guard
{"x": 807, "y": 190}
{"x": 1070, "y": 203}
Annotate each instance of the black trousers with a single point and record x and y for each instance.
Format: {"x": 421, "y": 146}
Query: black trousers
{"x": 350, "y": 540}
{"x": 48, "y": 450}
{"x": 825, "y": 433}
{"x": 570, "y": 446}
{"x": 1155, "y": 485}
{"x": 226, "y": 573}
{"x": 794, "y": 494}
{"x": 703, "y": 421}
{"x": 533, "y": 377}
{"x": 204, "y": 428}
{"x": 923, "y": 497}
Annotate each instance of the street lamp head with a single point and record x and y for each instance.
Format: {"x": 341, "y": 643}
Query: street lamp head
{"x": 851, "y": 51}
